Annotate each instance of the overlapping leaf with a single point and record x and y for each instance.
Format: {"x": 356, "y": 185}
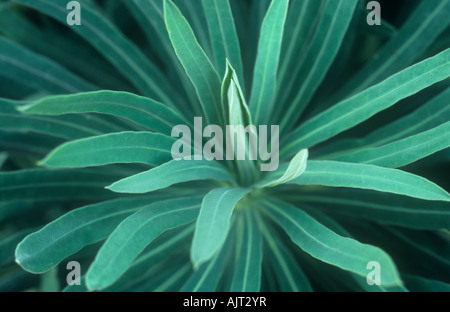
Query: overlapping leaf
{"x": 141, "y": 228}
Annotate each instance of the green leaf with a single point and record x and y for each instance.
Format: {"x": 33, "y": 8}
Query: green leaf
{"x": 296, "y": 168}
{"x": 364, "y": 105}
{"x": 325, "y": 245}
{"x": 289, "y": 275}
{"x": 406, "y": 151}
{"x": 223, "y": 35}
{"x": 238, "y": 114}
{"x": 50, "y": 281}
{"x": 39, "y": 185}
{"x": 8, "y": 245}
{"x": 320, "y": 54}
{"x": 63, "y": 237}
{"x": 340, "y": 174}
{"x": 197, "y": 65}
{"x": 195, "y": 15}
{"x": 233, "y": 98}
{"x": 384, "y": 208}
{"x": 132, "y": 235}
{"x": 140, "y": 110}
{"x": 124, "y": 147}
{"x": 83, "y": 60}
{"x": 48, "y": 126}
{"x": 166, "y": 276}
{"x": 108, "y": 41}
{"x": 171, "y": 243}
{"x": 426, "y": 117}
{"x": 247, "y": 269}
{"x": 408, "y": 44}
{"x": 33, "y": 144}
{"x": 427, "y": 247}
{"x": 331, "y": 224}
{"x": 420, "y": 284}
{"x": 3, "y": 158}
{"x": 213, "y": 222}
{"x": 171, "y": 173}
{"x": 297, "y": 33}
{"x": 266, "y": 66}
{"x": 207, "y": 276}
{"x": 150, "y": 16}
{"x": 41, "y": 73}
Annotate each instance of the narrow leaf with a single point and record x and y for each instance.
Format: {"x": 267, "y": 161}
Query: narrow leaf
{"x": 325, "y": 245}
{"x": 39, "y": 185}
{"x": 171, "y": 243}
{"x": 108, "y": 41}
{"x": 41, "y": 73}
{"x": 197, "y": 65}
{"x": 3, "y": 158}
{"x": 430, "y": 115}
{"x": 384, "y": 208}
{"x": 296, "y": 167}
{"x": 409, "y": 43}
{"x": 66, "y": 235}
{"x": 420, "y": 284}
{"x": 364, "y": 105}
{"x": 9, "y": 243}
{"x": 171, "y": 173}
{"x": 140, "y": 110}
{"x": 289, "y": 275}
{"x": 322, "y": 50}
{"x": 132, "y": 235}
{"x": 406, "y": 151}
{"x": 247, "y": 275}
{"x": 213, "y": 222}
{"x": 340, "y": 174}
{"x": 150, "y": 16}
{"x": 223, "y": 35}
{"x": 48, "y": 126}
{"x": 266, "y": 66}
{"x": 124, "y": 147}
{"x": 207, "y": 276}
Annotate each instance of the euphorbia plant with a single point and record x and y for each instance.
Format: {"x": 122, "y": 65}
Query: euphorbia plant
{"x": 87, "y": 135}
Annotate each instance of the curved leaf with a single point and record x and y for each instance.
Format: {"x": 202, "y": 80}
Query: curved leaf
{"x": 134, "y": 234}
{"x": 213, "y": 222}
{"x": 66, "y": 235}
{"x": 325, "y": 245}
{"x": 124, "y": 147}
{"x": 207, "y": 276}
{"x": 39, "y": 72}
{"x": 223, "y": 35}
{"x": 9, "y": 243}
{"x": 421, "y": 284}
{"x": 384, "y": 208}
{"x": 140, "y": 110}
{"x": 407, "y": 45}
{"x": 247, "y": 274}
{"x": 39, "y": 185}
{"x": 171, "y": 173}
{"x": 266, "y": 66}
{"x": 406, "y": 151}
{"x": 296, "y": 168}
{"x": 107, "y": 40}
{"x": 322, "y": 50}
{"x": 197, "y": 65}
{"x": 364, "y": 105}
{"x": 48, "y": 126}
{"x": 289, "y": 275}
{"x": 427, "y": 116}
{"x": 340, "y": 174}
